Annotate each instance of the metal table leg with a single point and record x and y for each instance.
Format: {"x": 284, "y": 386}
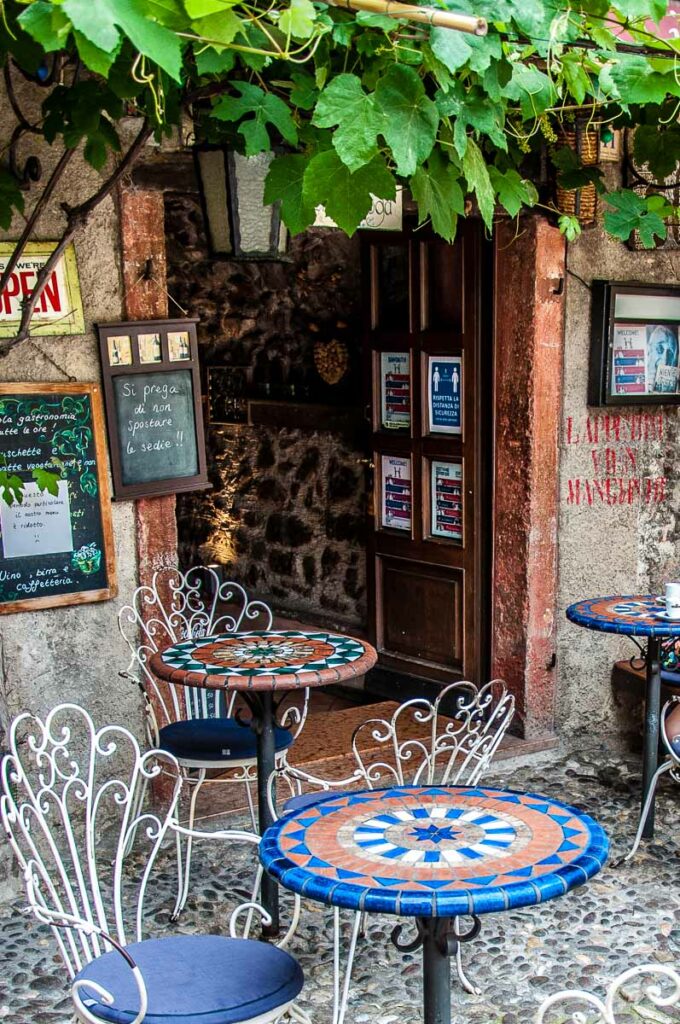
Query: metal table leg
{"x": 263, "y": 725}
{"x": 650, "y": 754}
{"x": 440, "y": 941}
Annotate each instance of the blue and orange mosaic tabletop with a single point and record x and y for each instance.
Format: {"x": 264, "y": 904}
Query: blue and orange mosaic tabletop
{"x": 264, "y": 660}
{"x": 434, "y": 851}
{"x": 637, "y": 615}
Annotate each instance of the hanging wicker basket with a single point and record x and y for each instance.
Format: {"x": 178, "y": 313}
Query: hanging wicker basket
{"x": 580, "y": 202}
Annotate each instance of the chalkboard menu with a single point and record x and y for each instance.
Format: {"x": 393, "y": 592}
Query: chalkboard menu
{"x": 153, "y": 407}
{"x": 55, "y": 510}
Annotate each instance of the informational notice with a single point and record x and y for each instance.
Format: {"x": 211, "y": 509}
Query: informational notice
{"x": 645, "y": 359}
{"x": 446, "y": 489}
{"x": 396, "y": 492}
{"x": 444, "y": 389}
{"x": 39, "y": 525}
{"x": 395, "y": 390}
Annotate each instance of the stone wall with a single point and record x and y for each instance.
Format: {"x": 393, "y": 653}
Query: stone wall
{"x": 620, "y": 537}
{"x": 72, "y": 653}
{"x": 286, "y": 513}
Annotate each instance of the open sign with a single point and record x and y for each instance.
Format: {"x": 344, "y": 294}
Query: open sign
{"x": 59, "y": 310}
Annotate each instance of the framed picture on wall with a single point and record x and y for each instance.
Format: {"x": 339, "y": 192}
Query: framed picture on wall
{"x": 444, "y": 394}
{"x": 635, "y": 345}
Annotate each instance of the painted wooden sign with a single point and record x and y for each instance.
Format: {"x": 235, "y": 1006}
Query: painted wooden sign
{"x": 153, "y": 407}
{"x": 56, "y": 541}
{"x": 59, "y": 309}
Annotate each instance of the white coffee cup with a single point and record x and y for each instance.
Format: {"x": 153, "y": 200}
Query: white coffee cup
{"x": 673, "y": 600}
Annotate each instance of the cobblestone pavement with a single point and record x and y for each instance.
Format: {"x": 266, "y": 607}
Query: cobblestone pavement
{"x": 625, "y": 916}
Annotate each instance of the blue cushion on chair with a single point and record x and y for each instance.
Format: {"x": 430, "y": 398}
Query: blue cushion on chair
{"x": 670, "y": 678}
{"x": 193, "y": 979}
{"x": 215, "y": 739}
{"x": 298, "y": 803}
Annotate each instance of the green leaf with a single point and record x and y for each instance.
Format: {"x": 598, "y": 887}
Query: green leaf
{"x": 215, "y": 62}
{"x": 369, "y": 20}
{"x": 636, "y": 82}
{"x": 344, "y": 103}
{"x": 632, "y": 212}
{"x": 436, "y": 189}
{"x": 575, "y": 77}
{"x": 92, "y": 57}
{"x": 284, "y": 184}
{"x": 47, "y": 24}
{"x": 514, "y": 192}
{"x": 477, "y": 176}
{"x": 197, "y": 9}
{"x": 451, "y": 48}
{"x": 11, "y": 487}
{"x": 298, "y": 19}
{"x": 641, "y": 10}
{"x": 304, "y": 93}
{"x": 47, "y": 481}
{"x": 569, "y": 226}
{"x": 347, "y": 197}
{"x": 658, "y": 146}
{"x": 94, "y": 20}
{"x": 265, "y": 107}
{"x": 219, "y": 28}
{"x": 156, "y": 42}
{"x": 532, "y": 88}
{"x": 410, "y": 119}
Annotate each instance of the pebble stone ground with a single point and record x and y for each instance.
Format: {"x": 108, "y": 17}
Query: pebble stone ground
{"x": 626, "y": 916}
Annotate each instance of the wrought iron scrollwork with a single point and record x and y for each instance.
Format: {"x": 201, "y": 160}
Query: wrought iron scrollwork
{"x": 445, "y": 931}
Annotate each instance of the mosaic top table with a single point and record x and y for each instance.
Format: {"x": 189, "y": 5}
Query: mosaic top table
{"x": 434, "y": 853}
{"x": 259, "y": 665}
{"x": 639, "y": 615}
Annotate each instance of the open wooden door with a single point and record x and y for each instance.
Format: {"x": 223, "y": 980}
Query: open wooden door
{"x": 430, "y": 407}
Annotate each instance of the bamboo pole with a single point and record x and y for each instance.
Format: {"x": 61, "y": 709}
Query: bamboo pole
{"x": 426, "y": 15}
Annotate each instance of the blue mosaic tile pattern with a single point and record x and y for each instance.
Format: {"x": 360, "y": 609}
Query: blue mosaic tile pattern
{"x": 636, "y": 615}
{"x": 434, "y": 851}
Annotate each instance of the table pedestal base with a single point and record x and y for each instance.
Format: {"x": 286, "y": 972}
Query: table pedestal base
{"x": 440, "y": 940}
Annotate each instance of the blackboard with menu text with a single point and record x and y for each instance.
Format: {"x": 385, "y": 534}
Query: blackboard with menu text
{"x": 153, "y": 407}
{"x": 56, "y": 541}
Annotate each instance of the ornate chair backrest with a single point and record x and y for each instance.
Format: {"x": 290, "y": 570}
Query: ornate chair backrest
{"x": 449, "y": 741}
{"x": 70, "y": 805}
{"x": 181, "y": 606}
{"x": 650, "y": 988}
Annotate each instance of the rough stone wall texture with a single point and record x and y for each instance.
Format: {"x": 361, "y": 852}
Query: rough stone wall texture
{"x": 72, "y": 653}
{"x": 628, "y": 541}
{"x": 286, "y": 514}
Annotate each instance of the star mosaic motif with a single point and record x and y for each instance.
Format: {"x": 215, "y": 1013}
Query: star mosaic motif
{"x": 434, "y": 833}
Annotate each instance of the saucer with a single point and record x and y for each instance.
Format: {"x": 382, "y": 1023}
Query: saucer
{"x": 666, "y": 617}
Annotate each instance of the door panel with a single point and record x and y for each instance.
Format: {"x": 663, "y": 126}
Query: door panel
{"x": 428, "y": 521}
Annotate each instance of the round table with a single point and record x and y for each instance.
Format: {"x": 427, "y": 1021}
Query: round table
{"x": 258, "y": 665}
{"x": 434, "y": 853}
{"x": 636, "y": 616}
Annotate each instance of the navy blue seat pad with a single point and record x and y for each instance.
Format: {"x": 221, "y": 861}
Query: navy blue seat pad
{"x": 194, "y": 979}
{"x": 215, "y": 739}
{"x": 298, "y": 803}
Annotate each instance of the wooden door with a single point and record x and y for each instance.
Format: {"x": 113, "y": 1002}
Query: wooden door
{"x": 430, "y": 407}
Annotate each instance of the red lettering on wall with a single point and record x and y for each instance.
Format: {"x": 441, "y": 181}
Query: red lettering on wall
{"x": 51, "y": 294}
{"x": 10, "y": 291}
{"x": 617, "y": 490}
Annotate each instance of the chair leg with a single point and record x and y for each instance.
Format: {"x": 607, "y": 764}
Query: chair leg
{"x": 134, "y": 814}
{"x": 183, "y": 890}
{"x": 340, "y": 999}
{"x": 666, "y": 766}
{"x": 348, "y": 969}
{"x": 462, "y": 977}
{"x": 251, "y": 808}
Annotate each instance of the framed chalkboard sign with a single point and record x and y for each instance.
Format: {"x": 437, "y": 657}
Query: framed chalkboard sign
{"x": 56, "y": 542}
{"x": 152, "y": 389}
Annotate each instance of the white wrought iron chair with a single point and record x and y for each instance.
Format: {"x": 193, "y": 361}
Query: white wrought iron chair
{"x": 660, "y": 990}
{"x": 671, "y": 764}
{"x": 201, "y": 728}
{"x": 450, "y": 741}
{"x": 69, "y": 808}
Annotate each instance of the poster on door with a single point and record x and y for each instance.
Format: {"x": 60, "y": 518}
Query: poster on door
{"x": 444, "y": 390}
{"x": 395, "y": 390}
{"x": 396, "y": 492}
{"x": 446, "y": 491}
